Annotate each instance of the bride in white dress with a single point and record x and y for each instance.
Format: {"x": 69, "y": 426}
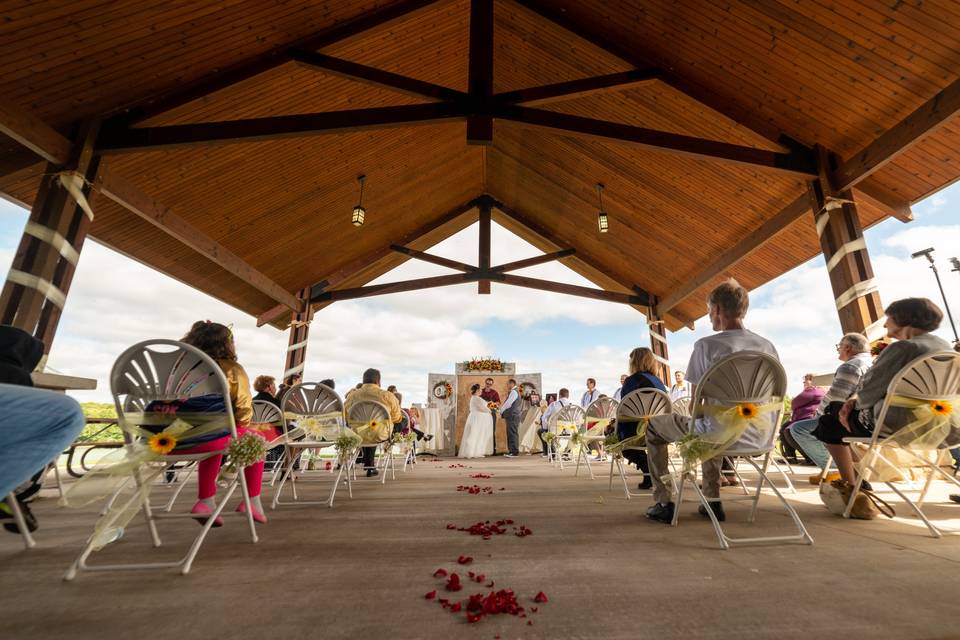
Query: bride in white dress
{"x": 477, "y": 440}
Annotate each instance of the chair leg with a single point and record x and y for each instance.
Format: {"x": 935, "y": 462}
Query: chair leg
{"x": 763, "y": 475}
{"x": 28, "y": 540}
{"x": 623, "y": 477}
{"x": 610, "y": 483}
{"x": 147, "y": 511}
{"x": 826, "y": 469}
{"x": 790, "y": 486}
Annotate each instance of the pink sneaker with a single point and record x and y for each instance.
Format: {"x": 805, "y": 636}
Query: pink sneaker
{"x": 201, "y": 508}
{"x": 257, "y": 516}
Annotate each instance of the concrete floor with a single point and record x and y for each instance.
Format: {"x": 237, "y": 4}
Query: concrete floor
{"x": 362, "y": 568}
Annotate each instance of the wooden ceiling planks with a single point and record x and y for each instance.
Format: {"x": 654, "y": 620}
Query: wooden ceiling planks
{"x": 837, "y": 74}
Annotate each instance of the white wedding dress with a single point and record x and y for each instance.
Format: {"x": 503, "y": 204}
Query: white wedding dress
{"x": 477, "y": 440}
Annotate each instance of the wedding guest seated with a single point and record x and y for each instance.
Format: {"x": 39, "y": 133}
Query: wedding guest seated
{"x": 266, "y": 388}
{"x": 853, "y": 351}
{"x": 910, "y": 322}
{"x": 563, "y": 399}
{"x": 680, "y": 388}
{"x": 727, "y": 305}
{"x": 329, "y": 382}
{"x": 370, "y": 389}
{"x": 412, "y": 416}
{"x": 802, "y": 407}
{"x": 35, "y": 425}
{"x": 642, "y": 366}
{"x": 294, "y": 380}
{"x": 216, "y": 340}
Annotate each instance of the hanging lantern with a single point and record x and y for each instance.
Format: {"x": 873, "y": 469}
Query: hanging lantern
{"x": 603, "y": 222}
{"x": 359, "y": 213}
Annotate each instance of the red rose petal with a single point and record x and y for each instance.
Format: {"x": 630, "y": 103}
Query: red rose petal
{"x": 490, "y": 585}
{"x": 530, "y": 622}
{"x": 431, "y": 595}
{"x": 480, "y": 578}
{"x": 455, "y": 607}
{"x": 440, "y": 573}
{"x": 534, "y": 609}
{"x": 540, "y": 597}
{"x": 464, "y": 560}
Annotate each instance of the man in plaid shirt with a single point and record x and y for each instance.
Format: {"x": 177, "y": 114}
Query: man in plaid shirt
{"x": 854, "y": 351}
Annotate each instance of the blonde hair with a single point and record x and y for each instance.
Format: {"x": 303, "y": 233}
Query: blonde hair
{"x": 731, "y": 298}
{"x": 642, "y": 359}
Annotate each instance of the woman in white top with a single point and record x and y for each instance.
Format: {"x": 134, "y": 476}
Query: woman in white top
{"x": 477, "y": 440}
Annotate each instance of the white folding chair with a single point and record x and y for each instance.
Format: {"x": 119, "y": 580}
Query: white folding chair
{"x": 14, "y": 505}
{"x": 638, "y": 403}
{"x": 166, "y": 370}
{"x": 599, "y": 410}
{"x": 928, "y": 379}
{"x": 744, "y": 377}
{"x": 573, "y": 415}
{"x": 265, "y": 412}
{"x": 361, "y": 413}
{"x": 309, "y": 400}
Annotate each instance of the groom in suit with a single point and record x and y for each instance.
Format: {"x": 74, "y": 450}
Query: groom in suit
{"x": 511, "y": 413}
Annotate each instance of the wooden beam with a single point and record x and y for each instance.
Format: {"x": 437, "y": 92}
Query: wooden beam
{"x": 393, "y": 287}
{"x": 275, "y": 127}
{"x": 480, "y": 72}
{"x": 597, "y": 85}
{"x": 357, "y": 266}
{"x": 272, "y": 59}
{"x": 726, "y": 260}
{"x": 573, "y": 290}
{"x": 530, "y": 262}
{"x": 876, "y": 196}
{"x": 374, "y": 77}
{"x": 926, "y": 119}
{"x": 429, "y": 257}
{"x": 19, "y": 161}
{"x": 636, "y": 53}
{"x": 793, "y": 162}
{"x": 34, "y": 134}
{"x": 483, "y": 287}
{"x": 134, "y": 200}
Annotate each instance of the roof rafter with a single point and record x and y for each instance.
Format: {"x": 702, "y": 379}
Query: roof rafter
{"x": 49, "y": 144}
{"x": 750, "y": 243}
{"x": 277, "y": 56}
{"x": 582, "y": 87}
{"x": 926, "y": 119}
{"x": 374, "y": 77}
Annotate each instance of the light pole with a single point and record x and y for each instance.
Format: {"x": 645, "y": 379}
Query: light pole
{"x": 927, "y": 253}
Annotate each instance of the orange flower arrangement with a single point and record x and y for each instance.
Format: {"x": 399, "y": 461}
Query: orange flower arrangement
{"x": 484, "y": 364}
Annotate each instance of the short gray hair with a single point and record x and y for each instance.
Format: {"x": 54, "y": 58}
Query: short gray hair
{"x": 856, "y": 341}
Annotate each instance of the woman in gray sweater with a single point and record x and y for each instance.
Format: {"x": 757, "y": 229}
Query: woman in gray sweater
{"x": 910, "y": 322}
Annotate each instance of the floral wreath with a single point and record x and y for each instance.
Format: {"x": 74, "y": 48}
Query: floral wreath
{"x": 442, "y": 390}
{"x": 526, "y": 389}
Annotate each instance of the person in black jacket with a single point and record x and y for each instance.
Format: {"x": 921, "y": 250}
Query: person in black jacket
{"x": 35, "y": 425}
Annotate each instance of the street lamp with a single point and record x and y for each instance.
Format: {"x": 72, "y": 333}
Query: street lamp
{"x": 927, "y": 253}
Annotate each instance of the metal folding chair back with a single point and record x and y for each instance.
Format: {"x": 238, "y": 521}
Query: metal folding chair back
{"x": 935, "y": 379}
{"x": 301, "y": 402}
{"x": 167, "y": 370}
{"x": 681, "y": 406}
{"x": 309, "y": 399}
{"x": 644, "y": 402}
{"x": 602, "y": 408}
{"x": 745, "y": 377}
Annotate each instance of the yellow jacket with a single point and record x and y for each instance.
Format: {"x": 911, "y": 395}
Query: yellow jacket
{"x": 375, "y": 393}
{"x": 240, "y": 396}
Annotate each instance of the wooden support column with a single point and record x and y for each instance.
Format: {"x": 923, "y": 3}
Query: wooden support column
{"x": 299, "y": 332}
{"x": 46, "y": 259}
{"x": 658, "y": 344}
{"x": 848, "y": 263}
{"x": 483, "y": 262}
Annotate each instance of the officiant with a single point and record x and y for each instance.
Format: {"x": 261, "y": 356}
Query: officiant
{"x": 490, "y": 395}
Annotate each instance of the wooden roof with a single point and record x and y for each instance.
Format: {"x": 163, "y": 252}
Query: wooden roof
{"x": 872, "y": 83}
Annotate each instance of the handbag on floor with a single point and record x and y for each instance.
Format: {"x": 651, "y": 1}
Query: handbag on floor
{"x": 867, "y": 505}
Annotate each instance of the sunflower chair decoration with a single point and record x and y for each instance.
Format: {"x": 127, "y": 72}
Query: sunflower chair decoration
{"x": 731, "y": 423}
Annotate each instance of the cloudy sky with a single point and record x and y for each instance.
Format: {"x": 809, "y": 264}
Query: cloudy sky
{"x": 113, "y": 304}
